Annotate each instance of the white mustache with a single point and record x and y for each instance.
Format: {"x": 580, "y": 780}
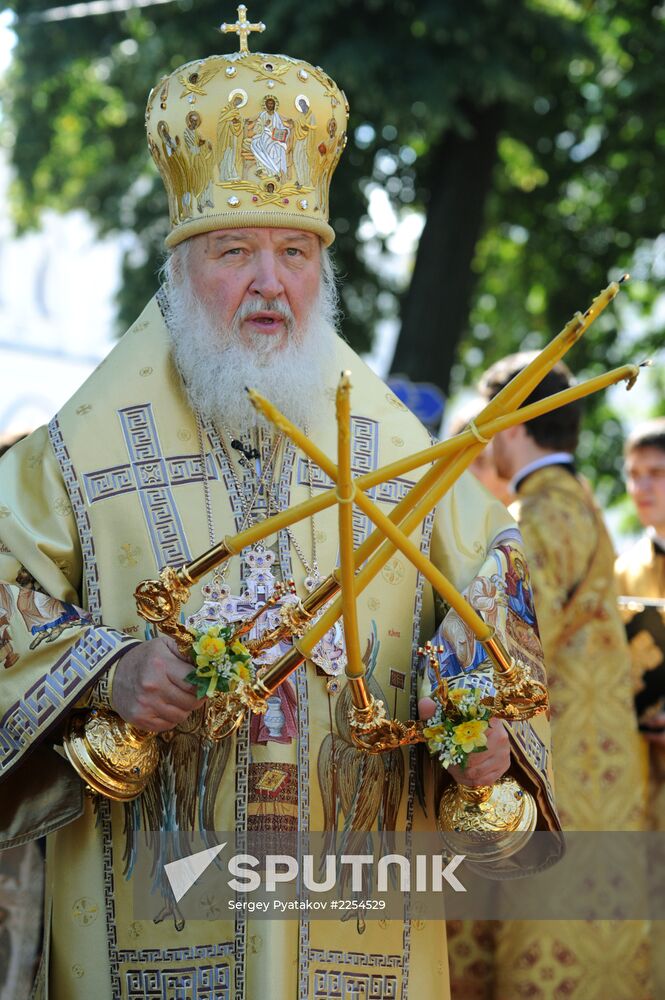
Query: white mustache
{"x": 259, "y": 304}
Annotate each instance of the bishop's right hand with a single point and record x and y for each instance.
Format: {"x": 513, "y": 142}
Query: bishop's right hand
{"x": 149, "y": 687}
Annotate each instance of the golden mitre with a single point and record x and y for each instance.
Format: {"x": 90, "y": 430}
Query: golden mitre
{"x": 247, "y": 139}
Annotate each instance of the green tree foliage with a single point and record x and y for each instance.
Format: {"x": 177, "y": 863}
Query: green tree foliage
{"x": 576, "y": 200}
{"x": 526, "y": 131}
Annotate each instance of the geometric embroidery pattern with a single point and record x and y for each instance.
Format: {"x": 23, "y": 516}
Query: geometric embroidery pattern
{"x": 534, "y": 750}
{"x": 364, "y": 459}
{"x": 202, "y": 982}
{"x": 91, "y": 591}
{"x": 104, "y": 817}
{"x": 330, "y": 985}
{"x": 187, "y": 953}
{"x": 531, "y": 743}
{"x": 151, "y": 479}
{"x": 91, "y": 575}
{"x": 354, "y": 984}
{"x": 241, "y": 803}
{"x": 53, "y": 694}
{"x": 153, "y": 476}
{"x": 207, "y": 982}
{"x": 355, "y": 958}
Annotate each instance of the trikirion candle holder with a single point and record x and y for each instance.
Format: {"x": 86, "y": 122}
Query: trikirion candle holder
{"x": 116, "y": 760}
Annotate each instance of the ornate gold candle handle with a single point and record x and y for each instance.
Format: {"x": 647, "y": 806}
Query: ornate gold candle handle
{"x": 113, "y": 757}
{"x": 294, "y": 619}
{"x": 518, "y": 695}
{"x": 487, "y": 822}
{"x": 225, "y": 712}
{"x": 371, "y": 729}
{"x": 159, "y": 603}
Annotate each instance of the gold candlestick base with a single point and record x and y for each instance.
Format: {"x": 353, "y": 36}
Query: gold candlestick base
{"x": 113, "y": 757}
{"x": 373, "y": 732}
{"x": 225, "y": 712}
{"x": 488, "y": 822}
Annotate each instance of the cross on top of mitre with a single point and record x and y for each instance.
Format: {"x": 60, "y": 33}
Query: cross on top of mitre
{"x": 242, "y": 27}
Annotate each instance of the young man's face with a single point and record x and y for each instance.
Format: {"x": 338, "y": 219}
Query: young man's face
{"x": 501, "y": 454}
{"x": 485, "y": 472}
{"x": 645, "y": 481}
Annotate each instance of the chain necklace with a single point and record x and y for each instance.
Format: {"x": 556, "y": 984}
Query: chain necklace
{"x": 266, "y": 481}
{"x": 313, "y": 577}
{"x": 219, "y": 574}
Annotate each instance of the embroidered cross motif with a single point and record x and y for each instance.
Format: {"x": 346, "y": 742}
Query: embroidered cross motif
{"x": 151, "y": 475}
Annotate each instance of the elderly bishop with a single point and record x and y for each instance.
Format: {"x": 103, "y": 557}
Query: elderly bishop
{"x": 155, "y": 459}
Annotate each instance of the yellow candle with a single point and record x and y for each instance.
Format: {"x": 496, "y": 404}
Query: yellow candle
{"x": 429, "y": 490}
{"x": 508, "y": 399}
{"x": 276, "y": 418}
{"x": 342, "y": 476}
{"x": 345, "y": 491}
{"x": 232, "y": 545}
{"x": 397, "y": 538}
{"x": 367, "y": 573}
{"x": 523, "y": 383}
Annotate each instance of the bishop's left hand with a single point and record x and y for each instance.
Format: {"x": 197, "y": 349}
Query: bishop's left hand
{"x": 483, "y": 768}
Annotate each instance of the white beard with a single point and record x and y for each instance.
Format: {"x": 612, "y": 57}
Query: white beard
{"x": 216, "y": 367}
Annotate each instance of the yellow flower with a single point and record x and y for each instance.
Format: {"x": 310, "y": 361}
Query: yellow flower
{"x": 243, "y": 672}
{"x": 210, "y": 646}
{"x": 239, "y": 649}
{"x": 436, "y": 732}
{"x": 457, "y": 695}
{"x": 470, "y": 735}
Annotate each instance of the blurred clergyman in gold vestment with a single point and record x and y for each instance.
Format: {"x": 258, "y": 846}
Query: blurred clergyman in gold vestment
{"x": 155, "y": 459}
{"x": 599, "y": 763}
{"x": 640, "y": 572}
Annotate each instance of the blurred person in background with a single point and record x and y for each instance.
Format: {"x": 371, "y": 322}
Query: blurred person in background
{"x": 599, "y": 760}
{"x": 640, "y": 572}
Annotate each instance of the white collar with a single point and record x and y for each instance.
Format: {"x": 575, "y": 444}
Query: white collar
{"x": 555, "y": 458}
{"x": 657, "y": 539}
